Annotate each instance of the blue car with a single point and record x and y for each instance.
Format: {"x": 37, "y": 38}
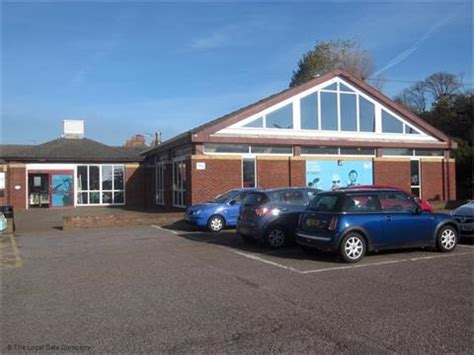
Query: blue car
{"x": 271, "y": 216}
{"x": 219, "y": 213}
{"x": 464, "y": 215}
{"x": 353, "y": 222}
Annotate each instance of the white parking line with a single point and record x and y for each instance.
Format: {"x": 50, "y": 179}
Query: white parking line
{"x": 335, "y": 268}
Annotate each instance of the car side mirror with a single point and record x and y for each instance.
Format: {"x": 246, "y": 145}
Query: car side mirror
{"x": 418, "y": 210}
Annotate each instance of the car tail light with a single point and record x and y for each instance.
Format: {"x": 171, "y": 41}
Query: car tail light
{"x": 333, "y": 223}
{"x": 259, "y": 211}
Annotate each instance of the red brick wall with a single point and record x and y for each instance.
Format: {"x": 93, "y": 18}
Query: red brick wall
{"x": 17, "y": 176}
{"x": 220, "y": 175}
{"x": 297, "y": 172}
{"x": 392, "y": 173}
{"x": 134, "y": 185}
{"x": 272, "y": 173}
{"x": 438, "y": 180}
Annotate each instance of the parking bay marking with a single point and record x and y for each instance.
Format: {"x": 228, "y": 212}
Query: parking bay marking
{"x": 355, "y": 266}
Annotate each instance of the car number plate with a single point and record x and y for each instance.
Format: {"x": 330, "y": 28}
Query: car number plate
{"x": 467, "y": 227}
{"x": 312, "y": 222}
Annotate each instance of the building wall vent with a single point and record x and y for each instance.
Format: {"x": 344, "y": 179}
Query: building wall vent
{"x": 74, "y": 129}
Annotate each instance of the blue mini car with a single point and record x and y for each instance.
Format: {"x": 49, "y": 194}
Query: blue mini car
{"x": 219, "y": 213}
{"x": 353, "y": 222}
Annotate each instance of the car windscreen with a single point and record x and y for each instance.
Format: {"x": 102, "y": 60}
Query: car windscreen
{"x": 223, "y": 197}
{"x": 288, "y": 197}
{"x": 324, "y": 203}
{"x": 254, "y": 199}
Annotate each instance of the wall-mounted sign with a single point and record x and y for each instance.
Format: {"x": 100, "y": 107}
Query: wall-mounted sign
{"x": 201, "y": 166}
{"x": 333, "y": 174}
{"x": 17, "y": 187}
{"x": 2, "y": 180}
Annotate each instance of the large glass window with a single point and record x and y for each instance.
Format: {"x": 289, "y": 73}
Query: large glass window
{"x": 100, "y": 184}
{"x": 226, "y": 148}
{"x": 390, "y": 124}
{"x": 160, "y": 183}
{"x": 179, "y": 183}
{"x": 248, "y": 172}
{"x": 281, "y": 118}
{"x": 329, "y": 111}
{"x": 398, "y": 151}
{"x": 271, "y": 150}
{"x": 257, "y": 123}
{"x": 366, "y": 115}
{"x": 348, "y": 112}
{"x": 320, "y": 150}
{"x": 309, "y": 112}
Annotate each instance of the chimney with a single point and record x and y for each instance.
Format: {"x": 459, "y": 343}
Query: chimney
{"x": 73, "y": 129}
{"x": 138, "y": 140}
{"x": 157, "y": 141}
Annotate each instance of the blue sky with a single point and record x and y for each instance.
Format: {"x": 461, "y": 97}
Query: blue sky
{"x": 129, "y": 68}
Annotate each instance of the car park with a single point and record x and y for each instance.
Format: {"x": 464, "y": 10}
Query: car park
{"x": 424, "y": 204}
{"x": 354, "y": 221}
{"x": 270, "y": 216}
{"x": 464, "y": 215}
{"x": 219, "y": 213}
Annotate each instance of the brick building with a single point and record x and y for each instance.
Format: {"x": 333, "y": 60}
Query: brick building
{"x": 332, "y": 131}
{"x": 70, "y": 171}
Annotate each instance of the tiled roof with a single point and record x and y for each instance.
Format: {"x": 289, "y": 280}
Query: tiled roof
{"x": 69, "y": 150}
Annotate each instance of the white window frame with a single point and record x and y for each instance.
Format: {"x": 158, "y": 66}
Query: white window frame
{"x": 180, "y": 186}
{"x": 297, "y": 131}
{"x": 101, "y": 190}
{"x": 419, "y": 178}
{"x": 160, "y": 182}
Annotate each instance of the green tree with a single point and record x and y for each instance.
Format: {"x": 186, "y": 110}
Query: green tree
{"x": 329, "y": 55}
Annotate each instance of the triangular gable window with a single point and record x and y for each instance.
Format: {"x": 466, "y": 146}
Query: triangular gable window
{"x": 281, "y": 118}
{"x": 257, "y": 123}
{"x": 343, "y": 87}
{"x": 390, "y": 124}
{"x": 332, "y": 87}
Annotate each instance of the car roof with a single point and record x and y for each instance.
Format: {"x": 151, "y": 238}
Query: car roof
{"x": 347, "y": 191}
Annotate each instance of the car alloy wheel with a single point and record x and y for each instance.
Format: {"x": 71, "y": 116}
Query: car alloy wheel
{"x": 276, "y": 237}
{"x": 353, "y": 248}
{"x": 216, "y": 224}
{"x": 447, "y": 239}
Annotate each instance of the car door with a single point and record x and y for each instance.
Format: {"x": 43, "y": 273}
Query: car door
{"x": 233, "y": 206}
{"x": 402, "y": 226}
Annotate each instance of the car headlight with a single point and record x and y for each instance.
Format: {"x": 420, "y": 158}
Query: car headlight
{"x": 197, "y": 212}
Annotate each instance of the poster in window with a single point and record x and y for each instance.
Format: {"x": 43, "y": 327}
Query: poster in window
{"x": 333, "y": 174}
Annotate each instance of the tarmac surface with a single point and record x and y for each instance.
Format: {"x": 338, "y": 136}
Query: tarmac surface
{"x": 150, "y": 289}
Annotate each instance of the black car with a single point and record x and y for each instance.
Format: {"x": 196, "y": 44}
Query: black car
{"x": 464, "y": 215}
{"x": 271, "y": 216}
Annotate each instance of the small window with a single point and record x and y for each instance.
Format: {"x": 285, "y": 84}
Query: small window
{"x": 281, "y": 118}
{"x": 429, "y": 153}
{"x": 357, "y": 151}
{"x": 226, "y": 148}
{"x": 343, "y": 87}
{"x": 348, "y": 112}
{"x": 248, "y": 172}
{"x": 361, "y": 203}
{"x": 309, "y": 112}
{"x": 271, "y": 150}
{"x": 391, "y": 124}
{"x": 396, "y": 202}
{"x": 257, "y": 123}
{"x": 328, "y": 111}
{"x": 254, "y": 199}
{"x": 410, "y": 130}
{"x": 398, "y": 151}
{"x": 333, "y": 87}
{"x": 366, "y": 115}
{"x": 320, "y": 150}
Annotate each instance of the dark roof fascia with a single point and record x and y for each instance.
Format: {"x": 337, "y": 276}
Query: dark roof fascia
{"x": 175, "y": 142}
{"x": 69, "y": 160}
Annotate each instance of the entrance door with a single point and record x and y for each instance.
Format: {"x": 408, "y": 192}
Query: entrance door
{"x": 62, "y": 190}
{"x": 38, "y": 187}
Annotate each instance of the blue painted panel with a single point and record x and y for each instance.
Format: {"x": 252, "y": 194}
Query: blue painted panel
{"x": 332, "y": 174}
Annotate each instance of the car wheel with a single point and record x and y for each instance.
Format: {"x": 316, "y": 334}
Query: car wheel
{"x": 352, "y": 248}
{"x": 447, "y": 239}
{"x": 216, "y": 223}
{"x": 275, "y": 237}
